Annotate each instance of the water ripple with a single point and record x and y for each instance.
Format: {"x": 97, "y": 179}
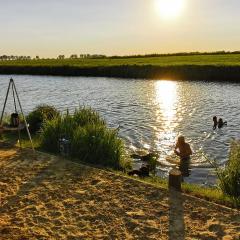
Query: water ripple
{"x": 151, "y": 114}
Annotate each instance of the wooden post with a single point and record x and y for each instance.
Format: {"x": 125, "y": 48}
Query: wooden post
{"x": 175, "y": 179}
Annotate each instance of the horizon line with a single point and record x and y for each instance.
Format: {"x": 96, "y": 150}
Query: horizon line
{"x": 88, "y": 55}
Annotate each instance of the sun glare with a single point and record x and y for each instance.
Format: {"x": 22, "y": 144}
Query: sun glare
{"x": 169, "y": 9}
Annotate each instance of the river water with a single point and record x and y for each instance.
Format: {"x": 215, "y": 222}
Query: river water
{"x": 149, "y": 113}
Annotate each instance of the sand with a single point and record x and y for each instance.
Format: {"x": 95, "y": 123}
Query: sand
{"x": 46, "y": 197}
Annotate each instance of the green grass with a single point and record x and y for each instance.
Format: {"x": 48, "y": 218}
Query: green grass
{"x": 12, "y": 138}
{"x": 198, "y": 60}
{"x": 213, "y": 194}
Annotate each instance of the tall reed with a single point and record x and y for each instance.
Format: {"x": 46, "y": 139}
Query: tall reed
{"x": 90, "y": 139}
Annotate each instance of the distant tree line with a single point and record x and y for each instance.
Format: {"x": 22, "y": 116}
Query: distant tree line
{"x": 75, "y": 56}
{"x": 175, "y": 54}
{"x": 12, "y": 57}
{"x": 101, "y": 56}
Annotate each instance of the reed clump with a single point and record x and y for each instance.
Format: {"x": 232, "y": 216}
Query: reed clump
{"x": 91, "y": 141}
{"x": 230, "y": 175}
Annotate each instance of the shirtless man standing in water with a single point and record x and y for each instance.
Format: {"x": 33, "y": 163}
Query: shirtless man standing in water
{"x": 184, "y": 151}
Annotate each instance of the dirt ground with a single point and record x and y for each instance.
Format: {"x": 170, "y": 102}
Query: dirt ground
{"x": 45, "y": 197}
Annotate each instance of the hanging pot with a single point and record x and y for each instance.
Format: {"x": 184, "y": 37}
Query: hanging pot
{"x": 14, "y": 120}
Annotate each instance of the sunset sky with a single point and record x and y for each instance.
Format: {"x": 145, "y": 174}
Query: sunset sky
{"x": 51, "y": 27}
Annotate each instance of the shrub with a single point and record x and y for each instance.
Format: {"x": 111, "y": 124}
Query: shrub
{"x": 91, "y": 140}
{"x": 40, "y": 114}
{"x": 230, "y": 176}
{"x": 97, "y": 144}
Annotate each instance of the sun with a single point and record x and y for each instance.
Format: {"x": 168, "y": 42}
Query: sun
{"x": 169, "y": 9}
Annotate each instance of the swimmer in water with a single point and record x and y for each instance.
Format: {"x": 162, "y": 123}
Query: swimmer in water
{"x": 221, "y": 123}
{"x": 215, "y": 122}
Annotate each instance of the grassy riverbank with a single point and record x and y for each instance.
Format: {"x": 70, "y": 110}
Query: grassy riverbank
{"x": 225, "y": 67}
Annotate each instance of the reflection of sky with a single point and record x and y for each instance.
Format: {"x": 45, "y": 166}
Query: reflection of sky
{"x": 166, "y": 100}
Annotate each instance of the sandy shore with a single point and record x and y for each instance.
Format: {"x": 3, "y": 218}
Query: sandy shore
{"x": 45, "y": 197}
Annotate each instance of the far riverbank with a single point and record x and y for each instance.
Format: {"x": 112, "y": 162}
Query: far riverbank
{"x": 224, "y": 67}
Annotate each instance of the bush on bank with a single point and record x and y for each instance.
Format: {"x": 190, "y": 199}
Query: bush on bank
{"x": 40, "y": 114}
{"x": 90, "y": 139}
{"x": 230, "y": 175}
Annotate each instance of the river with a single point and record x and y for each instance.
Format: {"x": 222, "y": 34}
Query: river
{"x": 150, "y": 114}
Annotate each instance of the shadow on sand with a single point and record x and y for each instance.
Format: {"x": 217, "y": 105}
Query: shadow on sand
{"x": 176, "y": 216}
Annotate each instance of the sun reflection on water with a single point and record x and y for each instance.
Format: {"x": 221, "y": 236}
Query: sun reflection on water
{"x": 166, "y": 97}
{"x": 166, "y": 110}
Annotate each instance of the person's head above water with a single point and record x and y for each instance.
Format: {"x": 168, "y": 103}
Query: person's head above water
{"x": 220, "y": 121}
{"x": 214, "y": 118}
{"x": 181, "y": 140}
